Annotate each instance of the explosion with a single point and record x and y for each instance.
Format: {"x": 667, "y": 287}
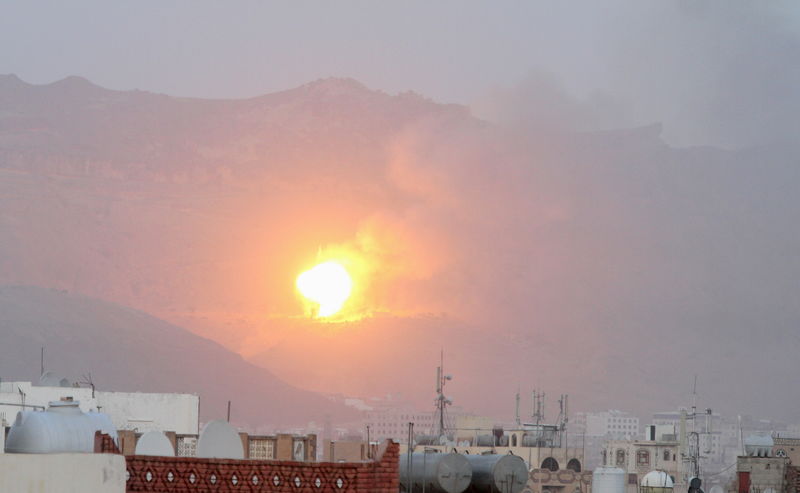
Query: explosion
{"x": 328, "y": 285}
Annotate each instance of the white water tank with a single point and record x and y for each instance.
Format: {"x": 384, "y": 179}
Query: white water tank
{"x": 62, "y": 428}
{"x": 608, "y": 480}
{"x": 657, "y": 482}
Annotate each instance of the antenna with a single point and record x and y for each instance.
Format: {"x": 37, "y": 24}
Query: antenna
{"x": 538, "y": 407}
{"x": 441, "y": 401}
{"x": 42, "y": 363}
{"x": 87, "y": 380}
{"x": 690, "y": 442}
{"x": 517, "y": 408}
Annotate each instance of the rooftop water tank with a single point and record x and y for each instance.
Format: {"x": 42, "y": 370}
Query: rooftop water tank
{"x": 657, "y": 482}
{"x": 434, "y": 473}
{"x": 758, "y": 445}
{"x": 608, "y": 480}
{"x": 496, "y": 473}
{"x": 63, "y": 427}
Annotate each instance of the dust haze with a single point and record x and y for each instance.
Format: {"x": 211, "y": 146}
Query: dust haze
{"x": 593, "y": 200}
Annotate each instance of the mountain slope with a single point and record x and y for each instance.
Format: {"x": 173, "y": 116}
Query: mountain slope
{"x": 128, "y": 350}
{"x": 609, "y": 265}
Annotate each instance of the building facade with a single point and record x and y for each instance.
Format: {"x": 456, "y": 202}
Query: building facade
{"x": 137, "y": 411}
{"x": 638, "y": 457}
{"x": 614, "y": 424}
{"x": 392, "y": 423}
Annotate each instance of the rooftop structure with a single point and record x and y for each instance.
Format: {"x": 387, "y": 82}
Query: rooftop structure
{"x": 139, "y": 411}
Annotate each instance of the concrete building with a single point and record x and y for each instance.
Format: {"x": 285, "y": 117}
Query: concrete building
{"x": 613, "y": 424}
{"x": 714, "y": 437}
{"x": 763, "y": 475}
{"x": 786, "y": 447}
{"x": 639, "y": 457}
{"x": 392, "y": 423}
{"x": 594, "y": 429}
{"x": 137, "y": 411}
{"x": 345, "y": 450}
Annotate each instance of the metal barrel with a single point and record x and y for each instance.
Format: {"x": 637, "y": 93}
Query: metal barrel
{"x": 434, "y": 473}
{"x": 495, "y": 473}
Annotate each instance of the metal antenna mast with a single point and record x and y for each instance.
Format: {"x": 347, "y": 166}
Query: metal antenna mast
{"x": 441, "y": 400}
{"x": 538, "y": 407}
{"x": 693, "y": 456}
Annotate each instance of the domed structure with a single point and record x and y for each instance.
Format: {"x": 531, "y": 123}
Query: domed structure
{"x": 154, "y": 443}
{"x": 220, "y": 440}
{"x": 657, "y": 482}
{"x": 63, "y": 427}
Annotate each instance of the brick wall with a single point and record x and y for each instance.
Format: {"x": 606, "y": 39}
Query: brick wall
{"x": 793, "y": 479}
{"x": 189, "y": 474}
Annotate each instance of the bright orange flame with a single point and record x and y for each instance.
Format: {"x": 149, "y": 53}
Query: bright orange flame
{"x": 328, "y": 285}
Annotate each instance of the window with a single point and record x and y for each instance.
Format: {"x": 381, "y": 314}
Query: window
{"x": 621, "y": 457}
{"x": 604, "y": 455}
{"x": 574, "y": 465}
{"x": 550, "y": 464}
{"x": 666, "y": 455}
{"x": 642, "y": 458}
{"x": 632, "y": 479}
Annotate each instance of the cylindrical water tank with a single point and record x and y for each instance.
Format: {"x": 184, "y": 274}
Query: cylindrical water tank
{"x": 496, "y": 473}
{"x": 657, "y": 482}
{"x": 531, "y": 440}
{"x": 485, "y": 441}
{"x": 427, "y": 439}
{"x": 608, "y": 480}
{"x": 62, "y": 428}
{"x": 439, "y": 473}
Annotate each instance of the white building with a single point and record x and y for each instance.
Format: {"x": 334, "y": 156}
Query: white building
{"x": 393, "y": 423}
{"x": 614, "y": 424}
{"x": 136, "y": 411}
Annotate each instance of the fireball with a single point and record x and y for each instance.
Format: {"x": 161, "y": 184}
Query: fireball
{"x": 328, "y": 285}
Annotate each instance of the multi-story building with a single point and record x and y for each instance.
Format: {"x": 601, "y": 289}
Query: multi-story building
{"x": 638, "y": 457}
{"x": 786, "y": 447}
{"x": 393, "y": 423}
{"x": 614, "y": 424}
{"x": 717, "y": 441}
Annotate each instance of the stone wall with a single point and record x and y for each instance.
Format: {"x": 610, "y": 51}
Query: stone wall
{"x": 543, "y": 480}
{"x": 62, "y": 473}
{"x": 759, "y": 474}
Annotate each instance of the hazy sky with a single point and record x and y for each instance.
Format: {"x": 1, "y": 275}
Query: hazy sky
{"x": 721, "y": 72}
{"x": 623, "y": 246}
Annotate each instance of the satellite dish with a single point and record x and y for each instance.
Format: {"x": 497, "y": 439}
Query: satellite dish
{"x": 219, "y": 440}
{"x": 154, "y": 443}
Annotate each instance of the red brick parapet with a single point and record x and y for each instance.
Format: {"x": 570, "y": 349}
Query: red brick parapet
{"x": 190, "y": 474}
{"x": 104, "y": 444}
